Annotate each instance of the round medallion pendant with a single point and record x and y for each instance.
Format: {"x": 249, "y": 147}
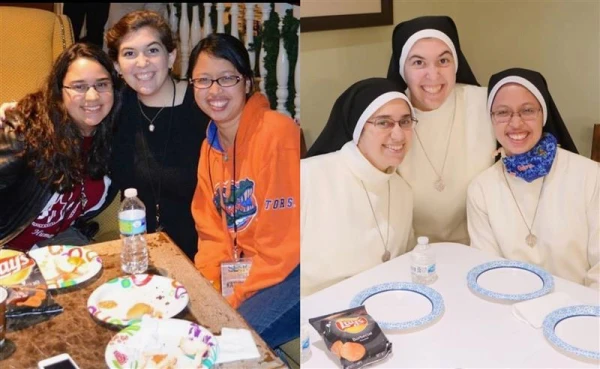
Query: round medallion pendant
{"x": 531, "y": 240}
{"x": 386, "y": 256}
{"x": 439, "y": 185}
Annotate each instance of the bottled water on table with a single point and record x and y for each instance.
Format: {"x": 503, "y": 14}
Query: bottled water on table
{"x": 132, "y": 226}
{"x": 305, "y": 351}
{"x": 423, "y": 262}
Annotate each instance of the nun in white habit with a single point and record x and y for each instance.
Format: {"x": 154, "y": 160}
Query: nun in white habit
{"x": 454, "y": 141}
{"x": 540, "y": 203}
{"x": 356, "y": 210}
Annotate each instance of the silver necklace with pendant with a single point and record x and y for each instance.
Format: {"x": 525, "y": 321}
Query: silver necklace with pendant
{"x": 530, "y": 239}
{"x": 157, "y": 194}
{"x": 151, "y": 121}
{"x": 386, "y": 254}
{"x": 439, "y": 184}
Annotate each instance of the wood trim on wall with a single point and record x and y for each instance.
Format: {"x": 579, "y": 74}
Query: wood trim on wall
{"x": 331, "y": 22}
{"x": 596, "y": 143}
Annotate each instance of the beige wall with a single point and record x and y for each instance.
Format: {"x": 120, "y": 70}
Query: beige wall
{"x": 560, "y": 39}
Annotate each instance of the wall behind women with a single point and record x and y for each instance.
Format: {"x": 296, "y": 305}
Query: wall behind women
{"x": 560, "y": 39}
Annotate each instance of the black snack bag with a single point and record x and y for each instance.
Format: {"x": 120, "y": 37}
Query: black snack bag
{"x": 27, "y": 289}
{"x": 353, "y": 336}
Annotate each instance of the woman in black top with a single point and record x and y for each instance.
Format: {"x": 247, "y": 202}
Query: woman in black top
{"x": 160, "y": 130}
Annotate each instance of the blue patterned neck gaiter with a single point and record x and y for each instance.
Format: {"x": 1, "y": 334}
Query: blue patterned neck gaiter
{"x": 534, "y": 163}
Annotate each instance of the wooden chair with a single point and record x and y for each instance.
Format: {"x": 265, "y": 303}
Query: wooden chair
{"x": 30, "y": 41}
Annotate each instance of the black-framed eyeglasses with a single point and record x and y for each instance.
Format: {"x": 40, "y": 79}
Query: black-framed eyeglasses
{"x": 387, "y": 124}
{"x": 225, "y": 81}
{"x": 82, "y": 88}
{"x": 505, "y": 115}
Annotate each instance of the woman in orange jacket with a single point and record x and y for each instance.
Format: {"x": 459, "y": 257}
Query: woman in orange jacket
{"x": 246, "y": 204}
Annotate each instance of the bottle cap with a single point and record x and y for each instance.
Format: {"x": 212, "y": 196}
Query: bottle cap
{"x": 423, "y": 240}
{"x": 130, "y": 192}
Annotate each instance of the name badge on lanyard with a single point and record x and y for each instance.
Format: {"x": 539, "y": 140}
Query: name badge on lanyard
{"x": 233, "y": 273}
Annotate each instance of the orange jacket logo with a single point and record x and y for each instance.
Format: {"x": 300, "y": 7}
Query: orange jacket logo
{"x": 351, "y": 325}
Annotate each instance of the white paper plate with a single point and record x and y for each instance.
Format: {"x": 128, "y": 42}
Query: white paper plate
{"x": 123, "y": 300}
{"x": 435, "y": 299}
{"x": 559, "y": 315}
{"x": 150, "y": 342}
{"x": 526, "y": 275}
{"x": 65, "y": 266}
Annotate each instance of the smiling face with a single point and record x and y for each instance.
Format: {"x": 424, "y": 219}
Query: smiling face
{"x": 386, "y": 148}
{"x": 517, "y": 136}
{"x": 88, "y": 109}
{"x": 430, "y": 71}
{"x": 224, "y": 105}
{"x": 144, "y": 61}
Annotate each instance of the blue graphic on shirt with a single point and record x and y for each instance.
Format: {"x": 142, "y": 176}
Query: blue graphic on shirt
{"x": 242, "y": 198}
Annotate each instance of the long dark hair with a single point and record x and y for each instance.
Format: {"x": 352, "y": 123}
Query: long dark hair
{"x": 51, "y": 137}
{"x": 224, "y": 46}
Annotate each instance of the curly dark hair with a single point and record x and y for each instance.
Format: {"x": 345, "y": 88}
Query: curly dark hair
{"x": 52, "y": 141}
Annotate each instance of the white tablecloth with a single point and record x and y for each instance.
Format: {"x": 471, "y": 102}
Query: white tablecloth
{"x": 472, "y": 332}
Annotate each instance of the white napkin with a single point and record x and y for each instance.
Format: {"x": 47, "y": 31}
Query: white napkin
{"x": 148, "y": 338}
{"x": 236, "y": 344}
{"x": 534, "y": 311}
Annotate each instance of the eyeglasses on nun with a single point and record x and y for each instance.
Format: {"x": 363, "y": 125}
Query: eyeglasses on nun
{"x": 388, "y": 124}
{"x": 505, "y": 115}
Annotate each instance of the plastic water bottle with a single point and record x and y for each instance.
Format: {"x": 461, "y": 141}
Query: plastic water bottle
{"x": 305, "y": 351}
{"x": 132, "y": 225}
{"x": 423, "y": 262}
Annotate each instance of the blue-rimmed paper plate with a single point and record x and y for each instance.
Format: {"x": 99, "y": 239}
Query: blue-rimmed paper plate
{"x": 434, "y": 297}
{"x": 538, "y": 274}
{"x": 557, "y": 316}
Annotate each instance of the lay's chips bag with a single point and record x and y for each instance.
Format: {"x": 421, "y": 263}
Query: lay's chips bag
{"x": 27, "y": 289}
{"x": 353, "y": 336}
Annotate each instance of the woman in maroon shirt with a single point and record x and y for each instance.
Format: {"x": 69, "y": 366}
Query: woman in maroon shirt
{"x": 54, "y": 152}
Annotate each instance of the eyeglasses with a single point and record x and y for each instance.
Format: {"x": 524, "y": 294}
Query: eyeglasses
{"x": 82, "y": 88}
{"x": 505, "y": 116}
{"x": 225, "y": 81}
{"x": 387, "y": 124}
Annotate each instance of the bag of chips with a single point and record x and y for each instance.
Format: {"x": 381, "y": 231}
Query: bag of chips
{"x": 27, "y": 289}
{"x": 353, "y": 336}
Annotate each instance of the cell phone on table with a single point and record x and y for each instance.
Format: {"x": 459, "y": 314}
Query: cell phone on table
{"x": 62, "y": 361}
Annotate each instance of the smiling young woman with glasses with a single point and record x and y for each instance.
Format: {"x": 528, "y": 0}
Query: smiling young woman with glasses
{"x": 54, "y": 153}
{"x": 540, "y": 202}
{"x": 365, "y": 216}
{"x": 246, "y": 205}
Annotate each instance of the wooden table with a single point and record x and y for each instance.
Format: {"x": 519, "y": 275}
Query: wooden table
{"x": 75, "y": 331}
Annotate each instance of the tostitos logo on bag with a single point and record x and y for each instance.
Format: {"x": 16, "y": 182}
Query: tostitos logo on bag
{"x": 15, "y": 267}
